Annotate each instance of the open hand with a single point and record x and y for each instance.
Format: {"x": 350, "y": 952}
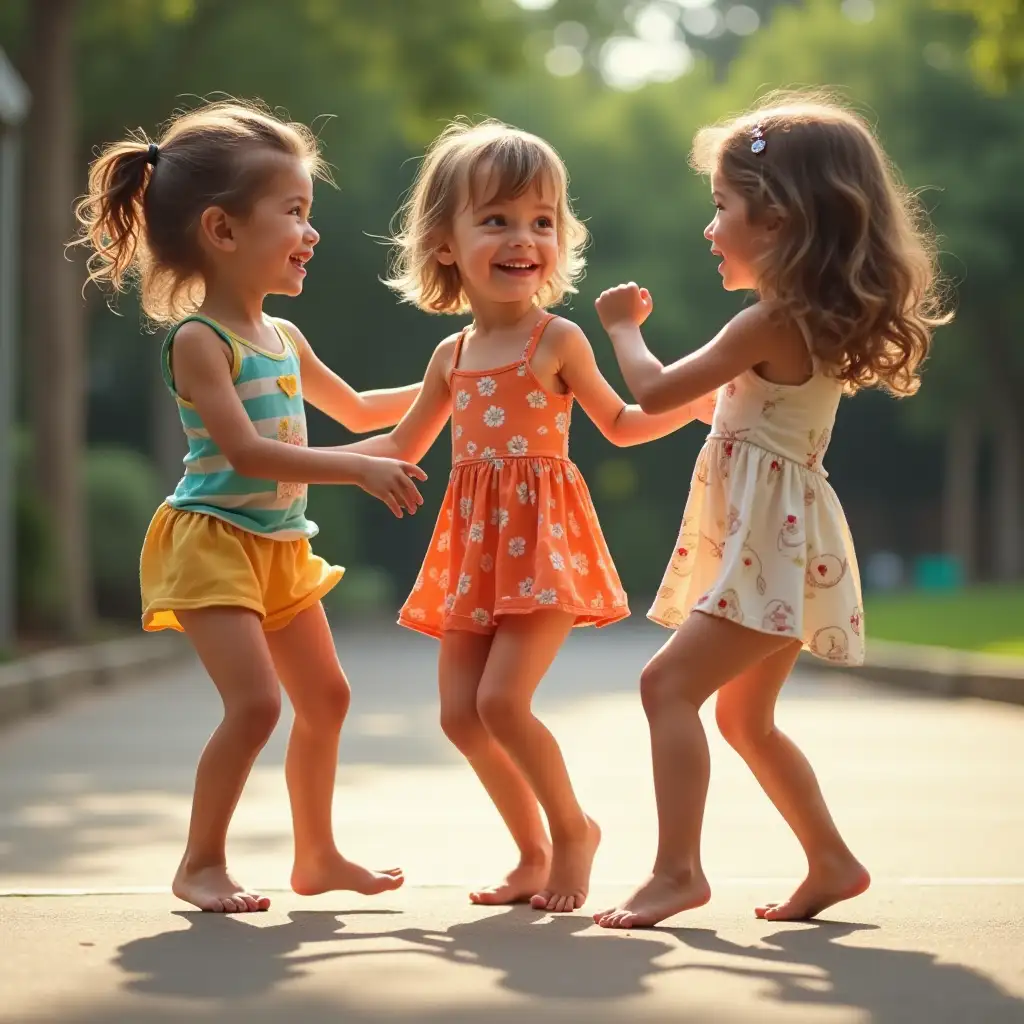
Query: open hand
{"x": 391, "y": 480}
{"x": 625, "y": 304}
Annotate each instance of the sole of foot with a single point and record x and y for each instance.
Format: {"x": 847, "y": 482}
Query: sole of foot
{"x": 569, "y": 881}
{"x": 821, "y": 889}
{"x": 519, "y": 886}
{"x": 658, "y": 899}
{"x": 212, "y": 889}
{"x": 335, "y": 873}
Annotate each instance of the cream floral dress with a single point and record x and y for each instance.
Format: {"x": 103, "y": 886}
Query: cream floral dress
{"x": 764, "y": 541}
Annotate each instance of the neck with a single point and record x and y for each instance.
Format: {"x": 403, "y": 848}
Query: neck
{"x": 495, "y": 316}
{"x": 239, "y": 309}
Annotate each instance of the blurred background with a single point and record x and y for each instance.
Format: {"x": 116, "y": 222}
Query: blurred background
{"x": 931, "y": 485}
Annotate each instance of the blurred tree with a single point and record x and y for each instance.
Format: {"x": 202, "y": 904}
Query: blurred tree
{"x": 997, "y": 52}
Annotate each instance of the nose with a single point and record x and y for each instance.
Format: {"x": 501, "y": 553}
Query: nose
{"x": 312, "y": 236}
{"x": 709, "y": 231}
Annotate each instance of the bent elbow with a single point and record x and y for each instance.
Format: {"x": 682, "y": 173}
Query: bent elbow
{"x": 653, "y": 403}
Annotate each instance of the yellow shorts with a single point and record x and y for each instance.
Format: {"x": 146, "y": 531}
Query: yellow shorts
{"x": 194, "y": 560}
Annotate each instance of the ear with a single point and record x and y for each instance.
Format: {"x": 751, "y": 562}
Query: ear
{"x": 444, "y": 254}
{"x": 216, "y": 228}
{"x": 773, "y": 219}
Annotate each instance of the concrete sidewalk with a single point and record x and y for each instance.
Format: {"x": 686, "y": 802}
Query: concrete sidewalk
{"x": 95, "y": 798}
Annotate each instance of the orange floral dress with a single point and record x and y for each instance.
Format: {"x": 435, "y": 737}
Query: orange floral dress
{"x": 517, "y": 530}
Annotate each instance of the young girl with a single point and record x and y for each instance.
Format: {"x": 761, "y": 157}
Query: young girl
{"x": 517, "y": 558}
{"x": 212, "y": 219}
{"x": 810, "y": 218}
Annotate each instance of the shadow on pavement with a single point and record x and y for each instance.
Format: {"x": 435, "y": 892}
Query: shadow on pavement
{"x": 562, "y": 968}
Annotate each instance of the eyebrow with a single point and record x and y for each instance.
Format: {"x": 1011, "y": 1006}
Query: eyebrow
{"x": 299, "y": 199}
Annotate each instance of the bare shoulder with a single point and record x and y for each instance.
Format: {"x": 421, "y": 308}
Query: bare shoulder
{"x": 292, "y": 331}
{"x": 197, "y": 342}
{"x": 564, "y": 339}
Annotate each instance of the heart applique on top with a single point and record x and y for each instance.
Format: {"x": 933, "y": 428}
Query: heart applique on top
{"x": 289, "y": 384}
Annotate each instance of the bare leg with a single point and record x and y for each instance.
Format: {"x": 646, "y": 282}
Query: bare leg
{"x": 703, "y": 654}
{"x": 521, "y": 652}
{"x": 307, "y": 663}
{"x": 461, "y": 664}
{"x": 746, "y": 717}
{"x": 230, "y": 643}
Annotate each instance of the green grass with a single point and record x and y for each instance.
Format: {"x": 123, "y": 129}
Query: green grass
{"x": 989, "y": 619}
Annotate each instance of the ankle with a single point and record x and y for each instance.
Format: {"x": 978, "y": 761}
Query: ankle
{"x": 201, "y": 861}
{"x": 535, "y": 854}
{"x": 572, "y": 830}
{"x": 679, "y": 872}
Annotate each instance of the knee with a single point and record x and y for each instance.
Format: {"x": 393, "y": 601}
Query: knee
{"x": 656, "y": 686}
{"x": 501, "y": 712}
{"x": 255, "y": 718}
{"x": 328, "y": 706}
{"x": 462, "y": 725}
{"x": 740, "y": 728}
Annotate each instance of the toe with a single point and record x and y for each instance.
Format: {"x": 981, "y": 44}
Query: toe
{"x": 250, "y": 902}
{"x": 541, "y": 900}
{"x": 262, "y": 902}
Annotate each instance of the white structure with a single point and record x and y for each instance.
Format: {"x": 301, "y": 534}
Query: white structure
{"x": 14, "y": 103}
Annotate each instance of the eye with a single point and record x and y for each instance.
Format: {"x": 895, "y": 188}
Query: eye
{"x": 495, "y": 220}
{"x": 545, "y": 223}
{"x": 296, "y": 211}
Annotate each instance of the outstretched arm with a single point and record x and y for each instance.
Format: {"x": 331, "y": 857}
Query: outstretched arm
{"x": 419, "y": 427}
{"x": 358, "y": 411}
{"x": 202, "y": 377}
{"x": 743, "y": 343}
{"x": 620, "y": 423}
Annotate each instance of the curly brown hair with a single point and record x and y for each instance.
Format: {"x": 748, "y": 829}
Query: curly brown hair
{"x": 145, "y": 200}
{"x": 512, "y": 162}
{"x": 855, "y": 264}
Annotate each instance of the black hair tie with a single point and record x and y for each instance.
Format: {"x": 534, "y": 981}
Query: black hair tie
{"x": 152, "y": 153}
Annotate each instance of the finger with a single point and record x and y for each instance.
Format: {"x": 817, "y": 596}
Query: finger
{"x": 413, "y": 498}
{"x": 414, "y": 471}
{"x": 393, "y": 505}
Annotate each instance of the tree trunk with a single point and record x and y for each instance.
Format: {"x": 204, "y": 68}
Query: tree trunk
{"x": 1007, "y": 547}
{"x": 54, "y": 322}
{"x": 959, "y": 496}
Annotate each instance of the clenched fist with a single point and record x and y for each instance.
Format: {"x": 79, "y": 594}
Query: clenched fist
{"x": 624, "y": 305}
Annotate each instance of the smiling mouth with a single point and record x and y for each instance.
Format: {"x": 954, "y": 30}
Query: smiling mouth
{"x": 299, "y": 261}
{"x": 518, "y": 268}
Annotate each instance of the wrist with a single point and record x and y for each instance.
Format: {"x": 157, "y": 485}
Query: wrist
{"x": 622, "y": 331}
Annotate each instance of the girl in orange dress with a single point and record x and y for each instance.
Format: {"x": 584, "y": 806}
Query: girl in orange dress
{"x": 517, "y": 558}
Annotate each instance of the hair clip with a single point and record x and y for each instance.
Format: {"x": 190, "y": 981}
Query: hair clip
{"x": 757, "y": 134}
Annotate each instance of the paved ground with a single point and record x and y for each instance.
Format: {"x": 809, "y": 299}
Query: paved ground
{"x": 94, "y": 801}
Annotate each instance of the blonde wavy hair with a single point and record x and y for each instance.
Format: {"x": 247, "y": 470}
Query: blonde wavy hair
{"x": 855, "y": 261}
{"x": 463, "y": 163}
{"x": 141, "y": 213}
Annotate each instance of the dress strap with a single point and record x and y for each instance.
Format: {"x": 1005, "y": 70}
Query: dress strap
{"x": 457, "y": 353}
{"x": 534, "y": 339}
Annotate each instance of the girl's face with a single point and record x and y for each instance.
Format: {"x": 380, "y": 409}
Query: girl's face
{"x": 267, "y": 250}
{"x": 738, "y": 242}
{"x": 506, "y": 250}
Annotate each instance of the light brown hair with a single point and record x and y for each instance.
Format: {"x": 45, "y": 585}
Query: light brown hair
{"x": 507, "y": 162}
{"x": 142, "y": 212}
{"x": 855, "y": 261}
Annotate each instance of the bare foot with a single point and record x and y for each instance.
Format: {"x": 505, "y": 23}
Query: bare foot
{"x": 213, "y": 889}
{"x": 519, "y": 886}
{"x": 826, "y": 884}
{"x": 332, "y": 871}
{"x": 569, "y": 882}
{"x": 658, "y": 898}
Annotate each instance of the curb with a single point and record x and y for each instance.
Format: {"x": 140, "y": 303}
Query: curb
{"x": 942, "y": 671}
{"x": 41, "y": 681}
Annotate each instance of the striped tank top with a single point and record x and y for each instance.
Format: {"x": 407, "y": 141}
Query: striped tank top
{"x": 270, "y": 390}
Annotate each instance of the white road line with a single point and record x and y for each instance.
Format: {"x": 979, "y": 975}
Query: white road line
{"x": 162, "y": 890}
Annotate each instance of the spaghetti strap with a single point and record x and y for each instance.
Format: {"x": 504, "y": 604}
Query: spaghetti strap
{"x": 457, "y": 353}
{"x": 535, "y": 335}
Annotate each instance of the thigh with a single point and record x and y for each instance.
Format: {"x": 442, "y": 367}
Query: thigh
{"x": 523, "y": 649}
{"x": 307, "y": 663}
{"x": 706, "y": 652}
{"x": 749, "y": 699}
{"x": 460, "y": 667}
{"x": 231, "y": 645}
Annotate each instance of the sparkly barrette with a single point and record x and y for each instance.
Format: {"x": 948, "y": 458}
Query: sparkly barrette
{"x": 757, "y": 135}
